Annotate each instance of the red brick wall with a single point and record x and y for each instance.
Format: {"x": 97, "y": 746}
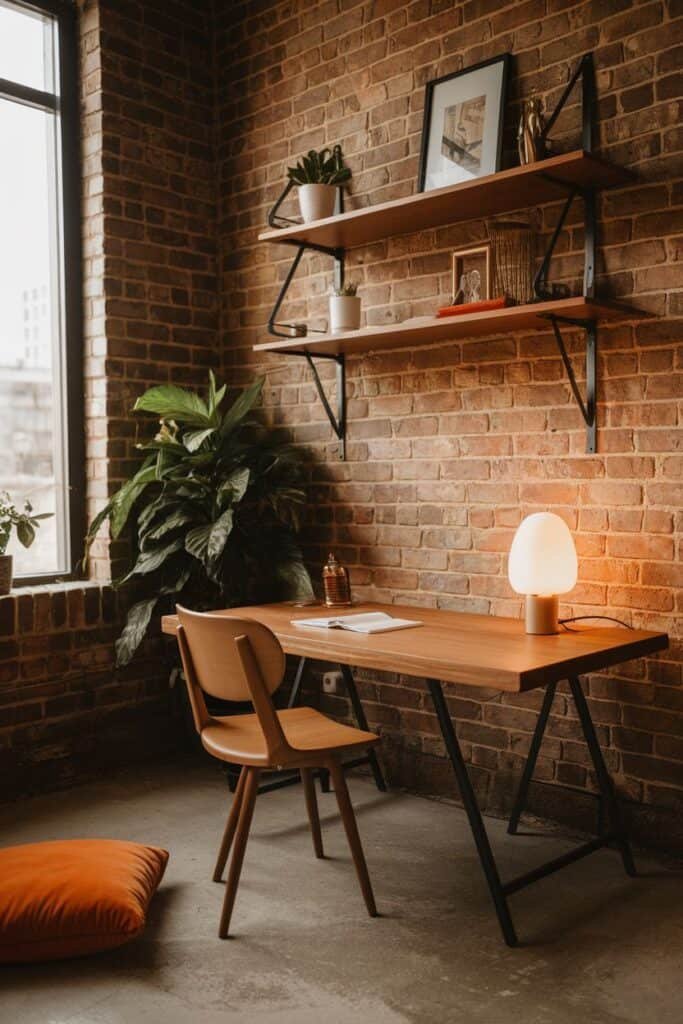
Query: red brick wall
{"x": 449, "y": 446}
{"x": 149, "y": 230}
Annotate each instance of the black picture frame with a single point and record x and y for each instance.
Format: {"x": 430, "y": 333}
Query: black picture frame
{"x": 505, "y": 59}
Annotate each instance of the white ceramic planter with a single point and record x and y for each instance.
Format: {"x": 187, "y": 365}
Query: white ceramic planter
{"x": 316, "y": 201}
{"x": 344, "y": 313}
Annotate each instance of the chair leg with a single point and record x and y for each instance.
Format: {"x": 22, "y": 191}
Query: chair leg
{"x": 349, "y": 820}
{"x": 243, "y": 825}
{"x": 312, "y": 808}
{"x": 230, "y": 826}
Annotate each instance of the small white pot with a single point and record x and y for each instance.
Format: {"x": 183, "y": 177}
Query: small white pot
{"x": 316, "y": 201}
{"x": 344, "y": 313}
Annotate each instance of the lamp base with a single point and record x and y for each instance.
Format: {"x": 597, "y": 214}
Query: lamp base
{"x": 541, "y": 614}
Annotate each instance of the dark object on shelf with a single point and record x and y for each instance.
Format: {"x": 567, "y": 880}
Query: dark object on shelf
{"x": 336, "y": 583}
{"x": 531, "y": 141}
{"x": 462, "y": 130}
{"x": 473, "y": 307}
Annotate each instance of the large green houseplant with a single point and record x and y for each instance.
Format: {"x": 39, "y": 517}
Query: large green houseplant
{"x": 214, "y": 509}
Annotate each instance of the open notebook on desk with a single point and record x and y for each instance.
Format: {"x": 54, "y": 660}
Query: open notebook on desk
{"x": 366, "y": 622}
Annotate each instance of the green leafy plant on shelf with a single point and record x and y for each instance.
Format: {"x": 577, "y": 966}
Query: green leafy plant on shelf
{"x": 214, "y": 508}
{"x": 347, "y": 291}
{"x": 325, "y": 167}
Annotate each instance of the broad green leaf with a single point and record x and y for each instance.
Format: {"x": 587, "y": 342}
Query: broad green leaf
{"x": 148, "y": 513}
{"x": 197, "y": 541}
{"x": 194, "y": 439}
{"x": 173, "y": 403}
{"x": 220, "y": 531}
{"x": 125, "y": 498}
{"x": 241, "y": 406}
{"x": 172, "y": 522}
{"x": 297, "y": 583}
{"x": 94, "y": 527}
{"x": 218, "y": 398}
{"x": 149, "y": 561}
{"x": 233, "y": 489}
{"x": 215, "y": 398}
{"x": 134, "y": 630}
{"x": 25, "y": 533}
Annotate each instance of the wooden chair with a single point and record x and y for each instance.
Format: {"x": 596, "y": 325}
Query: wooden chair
{"x": 240, "y": 659}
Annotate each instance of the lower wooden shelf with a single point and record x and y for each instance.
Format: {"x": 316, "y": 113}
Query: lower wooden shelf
{"x": 429, "y": 330}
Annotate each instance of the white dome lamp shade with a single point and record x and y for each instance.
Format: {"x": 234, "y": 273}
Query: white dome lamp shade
{"x": 541, "y": 565}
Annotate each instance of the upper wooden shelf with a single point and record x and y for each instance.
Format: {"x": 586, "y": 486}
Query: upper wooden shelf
{"x": 481, "y": 197}
{"x": 427, "y": 330}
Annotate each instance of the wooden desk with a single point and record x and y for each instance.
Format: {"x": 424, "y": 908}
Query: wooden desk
{"x": 476, "y": 650}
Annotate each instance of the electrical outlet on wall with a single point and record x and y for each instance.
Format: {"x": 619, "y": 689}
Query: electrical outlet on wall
{"x": 331, "y": 682}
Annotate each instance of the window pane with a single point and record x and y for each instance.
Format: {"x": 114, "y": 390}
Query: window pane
{"x": 26, "y": 48}
{"x": 32, "y": 459}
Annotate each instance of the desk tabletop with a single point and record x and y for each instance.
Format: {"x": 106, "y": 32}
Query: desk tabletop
{"x": 455, "y": 647}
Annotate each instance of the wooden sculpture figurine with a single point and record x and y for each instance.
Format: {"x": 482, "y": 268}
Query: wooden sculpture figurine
{"x": 530, "y": 141}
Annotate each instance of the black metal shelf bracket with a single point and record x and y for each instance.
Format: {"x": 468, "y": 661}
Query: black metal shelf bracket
{"x": 588, "y": 405}
{"x": 543, "y": 290}
{"x": 338, "y": 419}
{"x": 282, "y": 329}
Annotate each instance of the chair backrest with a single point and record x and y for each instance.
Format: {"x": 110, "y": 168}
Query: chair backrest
{"x": 217, "y": 664}
{"x": 234, "y": 659}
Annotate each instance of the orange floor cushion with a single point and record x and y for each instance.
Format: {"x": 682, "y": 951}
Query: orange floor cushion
{"x": 74, "y": 896}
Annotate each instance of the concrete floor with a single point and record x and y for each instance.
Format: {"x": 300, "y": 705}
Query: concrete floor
{"x": 599, "y": 948}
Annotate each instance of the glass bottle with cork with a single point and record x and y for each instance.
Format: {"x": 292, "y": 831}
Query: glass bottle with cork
{"x": 336, "y": 584}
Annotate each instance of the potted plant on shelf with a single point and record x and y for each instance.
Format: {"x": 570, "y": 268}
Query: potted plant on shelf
{"x": 25, "y": 524}
{"x": 344, "y": 309}
{"x": 317, "y": 175}
{"x": 214, "y": 509}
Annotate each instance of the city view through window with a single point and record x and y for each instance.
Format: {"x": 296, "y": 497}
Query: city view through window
{"x": 32, "y": 425}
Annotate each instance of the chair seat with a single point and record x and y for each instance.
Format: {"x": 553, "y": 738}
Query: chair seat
{"x": 239, "y": 738}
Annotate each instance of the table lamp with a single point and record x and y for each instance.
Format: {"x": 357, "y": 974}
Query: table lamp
{"x": 542, "y": 564}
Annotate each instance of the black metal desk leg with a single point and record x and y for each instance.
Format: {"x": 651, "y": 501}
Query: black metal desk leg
{"x": 296, "y": 685}
{"x": 527, "y": 774}
{"x": 362, "y": 722}
{"x": 473, "y": 813}
{"x": 607, "y": 792}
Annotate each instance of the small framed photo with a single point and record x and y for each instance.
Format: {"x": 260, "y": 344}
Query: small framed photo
{"x": 472, "y": 274}
{"x": 462, "y": 131}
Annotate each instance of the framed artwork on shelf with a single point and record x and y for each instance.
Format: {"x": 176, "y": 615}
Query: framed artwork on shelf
{"x": 462, "y": 131}
{"x": 472, "y": 274}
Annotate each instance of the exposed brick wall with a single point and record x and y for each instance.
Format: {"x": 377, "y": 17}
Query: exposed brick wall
{"x": 150, "y": 217}
{"x": 449, "y": 446}
{"x": 149, "y": 230}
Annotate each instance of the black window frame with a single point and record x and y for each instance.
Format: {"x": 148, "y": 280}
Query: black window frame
{"x": 66, "y": 105}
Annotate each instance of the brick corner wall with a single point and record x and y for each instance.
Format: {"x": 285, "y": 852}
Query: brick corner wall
{"x": 451, "y": 445}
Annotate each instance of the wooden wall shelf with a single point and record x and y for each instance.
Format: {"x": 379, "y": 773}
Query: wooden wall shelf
{"x": 562, "y": 178}
{"x": 493, "y": 194}
{"x": 428, "y": 330}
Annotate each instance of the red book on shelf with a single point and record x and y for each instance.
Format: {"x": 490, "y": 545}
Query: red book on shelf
{"x": 473, "y": 307}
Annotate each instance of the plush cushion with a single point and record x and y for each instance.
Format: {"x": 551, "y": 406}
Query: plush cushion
{"x": 74, "y": 897}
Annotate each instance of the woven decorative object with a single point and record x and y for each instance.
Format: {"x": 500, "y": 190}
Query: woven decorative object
{"x": 513, "y": 260}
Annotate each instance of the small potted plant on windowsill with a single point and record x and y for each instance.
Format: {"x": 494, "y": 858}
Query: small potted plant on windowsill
{"x": 26, "y": 525}
{"x": 318, "y": 174}
{"x": 345, "y": 309}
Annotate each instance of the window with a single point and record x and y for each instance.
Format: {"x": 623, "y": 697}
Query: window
{"x": 41, "y": 430}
